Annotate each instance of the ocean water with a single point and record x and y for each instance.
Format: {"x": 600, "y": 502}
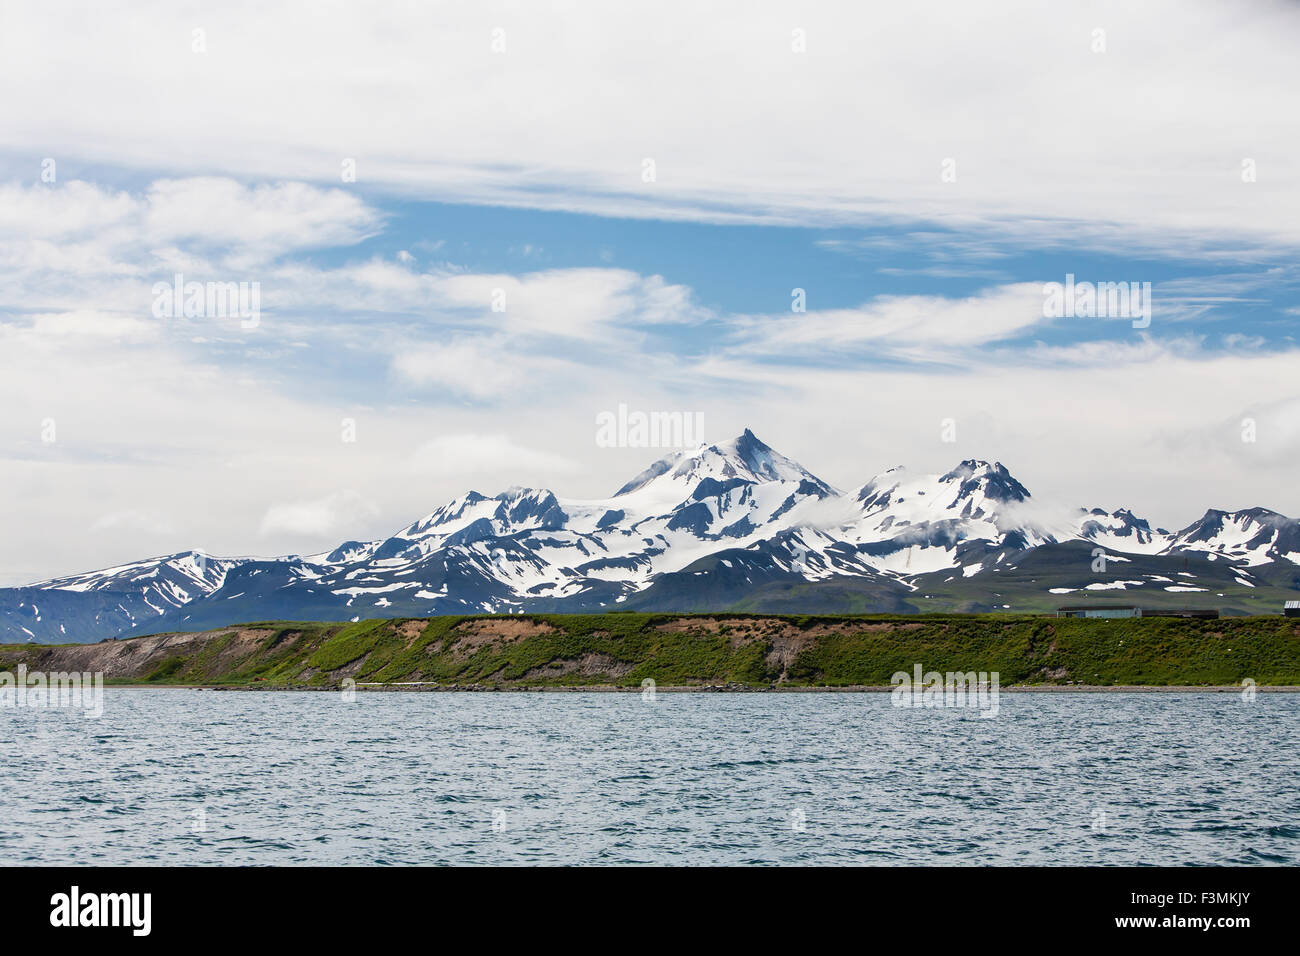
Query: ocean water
{"x": 191, "y": 777}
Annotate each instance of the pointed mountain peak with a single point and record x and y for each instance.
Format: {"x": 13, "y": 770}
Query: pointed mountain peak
{"x": 977, "y": 466}
{"x": 1246, "y": 517}
{"x": 760, "y": 459}
{"x": 1267, "y": 515}
{"x": 992, "y": 479}
{"x": 515, "y": 492}
{"x": 745, "y": 457}
{"x": 973, "y": 488}
{"x": 882, "y": 483}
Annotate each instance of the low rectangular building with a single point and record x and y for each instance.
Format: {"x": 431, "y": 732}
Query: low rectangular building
{"x": 1099, "y": 610}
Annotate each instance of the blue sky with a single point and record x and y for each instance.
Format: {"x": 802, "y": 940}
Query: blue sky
{"x": 752, "y": 269}
{"x": 212, "y": 143}
{"x": 1223, "y": 300}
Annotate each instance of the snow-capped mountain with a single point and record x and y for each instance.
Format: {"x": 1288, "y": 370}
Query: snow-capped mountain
{"x": 1122, "y": 531}
{"x": 1254, "y": 536}
{"x": 910, "y": 525}
{"x": 709, "y": 528}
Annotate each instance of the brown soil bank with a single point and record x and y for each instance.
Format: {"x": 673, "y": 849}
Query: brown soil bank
{"x": 694, "y": 650}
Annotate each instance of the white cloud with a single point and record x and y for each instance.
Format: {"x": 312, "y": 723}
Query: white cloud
{"x": 92, "y": 325}
{"x": 475, "y": 369}
{"x": 68, "y": 210}
{"x": 1138, "y": 143}
{"x": 135, "y": 520}
{"x": 916, "y": 326}
{"x": 271, "y": 219}
{"x": 577, "y": 303}
{"x": 1264, "y": 434}
{"x": 333, "y": 514}
{"x": 205, "y": 212}
{"x": 462, "y": 455}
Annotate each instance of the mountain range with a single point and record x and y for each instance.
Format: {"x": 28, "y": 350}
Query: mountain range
{"x": 730, "y": 526}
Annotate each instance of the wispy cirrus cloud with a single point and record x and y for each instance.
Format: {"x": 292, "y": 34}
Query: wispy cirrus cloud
{"x": 917, "y": 327}
{"x": 1167, "y": 172}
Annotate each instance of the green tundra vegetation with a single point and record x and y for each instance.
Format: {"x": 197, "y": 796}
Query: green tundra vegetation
{"x": 754, "y": 650}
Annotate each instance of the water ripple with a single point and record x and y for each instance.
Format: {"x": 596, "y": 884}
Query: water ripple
{"x": 177, "y": 777}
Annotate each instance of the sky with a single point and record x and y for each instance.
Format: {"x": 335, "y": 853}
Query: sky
{"x": 473, "y": 228}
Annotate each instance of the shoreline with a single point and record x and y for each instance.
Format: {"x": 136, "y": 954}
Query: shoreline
{"x": 722, "y": 653}
{"x": 417, "y": 688}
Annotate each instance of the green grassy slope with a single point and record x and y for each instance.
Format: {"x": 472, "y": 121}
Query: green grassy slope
{"x": 673, "y": 649}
